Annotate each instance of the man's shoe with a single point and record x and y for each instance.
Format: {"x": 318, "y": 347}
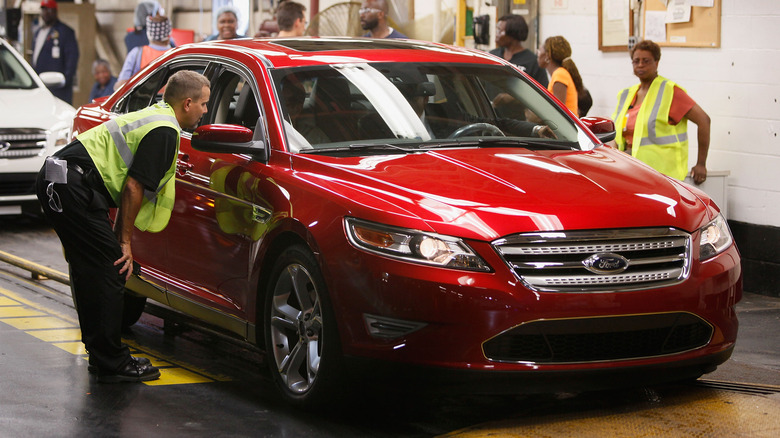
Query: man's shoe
{"x": 132, "y": 372}
{"x": 93, "y": 369}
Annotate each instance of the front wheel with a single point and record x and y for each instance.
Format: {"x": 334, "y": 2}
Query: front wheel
{"x": 300, "y": 330}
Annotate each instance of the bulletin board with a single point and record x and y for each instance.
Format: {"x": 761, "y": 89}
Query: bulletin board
{"x": 703, "y": 29}
{"x": 616, "y": 25}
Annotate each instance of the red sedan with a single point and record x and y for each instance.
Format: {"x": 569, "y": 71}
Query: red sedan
{"x": 430, "y": 208}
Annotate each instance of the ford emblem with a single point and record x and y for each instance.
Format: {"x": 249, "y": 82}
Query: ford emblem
{"x": 606, "y": 263}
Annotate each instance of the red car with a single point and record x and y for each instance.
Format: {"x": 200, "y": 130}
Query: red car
{"x": 416, "y": 206}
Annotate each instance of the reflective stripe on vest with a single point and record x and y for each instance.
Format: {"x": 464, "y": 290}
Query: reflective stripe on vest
{"x": 655, "y": 141}
{"x": 652, "y": 137}
{"x": 118, "y": 135}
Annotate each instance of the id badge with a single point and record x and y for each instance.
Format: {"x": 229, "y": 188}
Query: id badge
{"x": 55, "y": 52}
{"x": 56, "y": 171}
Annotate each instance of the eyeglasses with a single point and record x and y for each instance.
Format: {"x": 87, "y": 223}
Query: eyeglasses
{"x": 644, "y": 61}
{"x": 54, "y": 198}
{"x": 362, "y": 11}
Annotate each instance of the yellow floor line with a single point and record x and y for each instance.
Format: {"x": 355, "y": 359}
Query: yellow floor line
{"x": 5, "y": 301}
{"x": 57, "y": 335}
{"x": 62, "y": 331}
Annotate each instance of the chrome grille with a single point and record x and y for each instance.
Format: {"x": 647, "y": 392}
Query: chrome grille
{"x": 563, "y": 261}
{"x": 22, "y": 142}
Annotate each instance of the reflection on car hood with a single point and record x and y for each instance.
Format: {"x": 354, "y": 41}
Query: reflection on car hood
{"x": 489, "y": 193}
{"x": 36, "y": 108}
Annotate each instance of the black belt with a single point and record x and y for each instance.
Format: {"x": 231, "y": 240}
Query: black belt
{"x": 92, "y": 180}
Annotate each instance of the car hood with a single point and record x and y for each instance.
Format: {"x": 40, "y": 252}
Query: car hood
{"x": 36, "y": 108}
{"x": 489, "y": 193}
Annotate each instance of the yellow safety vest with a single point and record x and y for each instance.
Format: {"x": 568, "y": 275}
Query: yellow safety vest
{"x": 125, "y": 134}
{"x": 663, "y": 146}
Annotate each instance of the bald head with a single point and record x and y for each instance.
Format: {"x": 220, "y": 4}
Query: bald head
{"x": 373, "y": 16}
{"x": 380, "y": 4}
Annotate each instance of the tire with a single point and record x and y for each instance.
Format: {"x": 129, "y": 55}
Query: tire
{"x": 133, "y": 309}
{"x": 300, "y": 331}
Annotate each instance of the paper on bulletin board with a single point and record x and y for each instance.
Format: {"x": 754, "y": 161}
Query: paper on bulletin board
{"x": 678, "y": 11}
{"x": 655, "y": 25}
{"x": 702, "y": 3}
{"x": 615, "y": 10}
{"x": 615, "y": 27}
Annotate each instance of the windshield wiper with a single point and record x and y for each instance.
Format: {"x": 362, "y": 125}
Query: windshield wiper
{"x": 534, "y": 143}
{"x": 528, "y": 143}
{"x": 360, "y": 147}
{"x": 378, "y": 146}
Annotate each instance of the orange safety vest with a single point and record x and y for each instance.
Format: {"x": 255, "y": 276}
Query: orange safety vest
{"x": 149, "y": 54}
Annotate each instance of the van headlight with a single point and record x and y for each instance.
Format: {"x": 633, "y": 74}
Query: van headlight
{"x": 61, "y": 137}
{"x": 715, "y": 238}
{"x": 413, "y": 245}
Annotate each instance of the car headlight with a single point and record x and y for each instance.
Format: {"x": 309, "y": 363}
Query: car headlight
{"x": 61, "y": 137}
{"x": 413, "y": 246}
{"x": 715, "y": 238}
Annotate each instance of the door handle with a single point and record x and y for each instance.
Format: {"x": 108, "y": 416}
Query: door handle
{"x": 182, "y": 168}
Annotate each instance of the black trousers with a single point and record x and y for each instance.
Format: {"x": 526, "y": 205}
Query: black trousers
{"x": 91, "y": 248}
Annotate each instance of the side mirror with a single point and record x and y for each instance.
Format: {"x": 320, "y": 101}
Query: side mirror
{"x": 53, "y": 79}
{"x": 229, "y": 139}
{"x": 604, "y": 129}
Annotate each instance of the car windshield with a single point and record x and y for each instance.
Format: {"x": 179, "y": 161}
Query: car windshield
{"x": 13, "y": 75}
{"x": 417, "y": 106}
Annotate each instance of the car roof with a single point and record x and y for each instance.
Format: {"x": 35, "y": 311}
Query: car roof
{"x": 306, "y": 51}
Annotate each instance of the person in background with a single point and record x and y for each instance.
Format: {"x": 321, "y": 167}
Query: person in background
{"x": 291, "y": 19}
{"x": 158, "y": 30}
{"x": 511, "y": 32}
{"x": 565, "y": 80}
{"x": 227, "y": 24}
{"x": 373, "y": 18}
{"x": 117, "y": 164}
{"x": 104, "y": 80}
{"x": 302, "y": 131}
{"x": 651, "y": 119}
{"x": 136, "y": 36}
{"x": 55, "y": 49}
{"x": 270, "y": 28}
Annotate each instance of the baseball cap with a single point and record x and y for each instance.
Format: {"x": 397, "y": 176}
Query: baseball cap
{"x": 50, "y": 4}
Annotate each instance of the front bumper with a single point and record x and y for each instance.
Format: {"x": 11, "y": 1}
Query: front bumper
{"x": 17, "y": 193}
{"x": 460, "y": 312}
{"x": 420, "y": 379}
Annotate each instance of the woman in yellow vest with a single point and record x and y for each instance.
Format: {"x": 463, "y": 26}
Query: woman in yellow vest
{"x": 651, "y": 119}
{"x": 565, "y": 80}
{"x": 128, "y": 163}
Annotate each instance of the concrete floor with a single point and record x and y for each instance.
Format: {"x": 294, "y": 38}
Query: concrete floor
{"x": 212, "y": 386}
